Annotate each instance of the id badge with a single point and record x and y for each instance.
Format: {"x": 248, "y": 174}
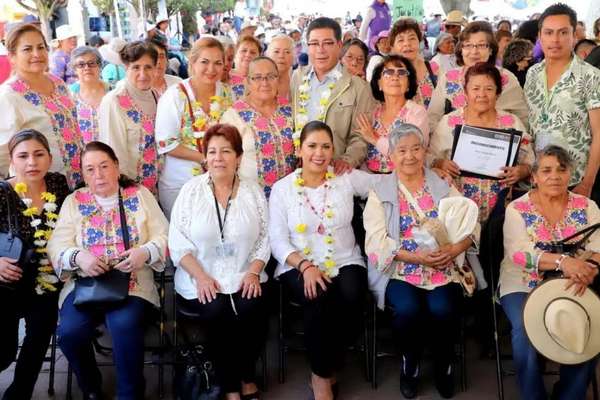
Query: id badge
{"x": 226, "y": 250}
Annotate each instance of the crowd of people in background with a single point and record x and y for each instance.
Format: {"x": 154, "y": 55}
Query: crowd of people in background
{"x": 313, "y": 151}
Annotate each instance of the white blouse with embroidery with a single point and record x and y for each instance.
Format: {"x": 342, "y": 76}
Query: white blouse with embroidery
{"x": 195, "y": 230}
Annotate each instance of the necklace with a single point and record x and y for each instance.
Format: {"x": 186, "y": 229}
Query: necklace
{"x": 46, "y": 279}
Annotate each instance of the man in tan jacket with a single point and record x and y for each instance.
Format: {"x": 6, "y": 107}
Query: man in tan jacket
{"x": 325, "y": 91}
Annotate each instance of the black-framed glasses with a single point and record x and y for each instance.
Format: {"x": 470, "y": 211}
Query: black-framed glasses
{"x": 263, "y": 78}
{"x": 399, "y": 72}
{"x": 89, "y": 64}
{"x": 478, "y": 46}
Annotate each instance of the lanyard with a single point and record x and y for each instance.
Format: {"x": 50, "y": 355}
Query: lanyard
{"x": 222, "y": 222}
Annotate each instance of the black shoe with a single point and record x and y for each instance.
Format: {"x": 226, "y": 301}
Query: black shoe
{"x": 408, "y": 386}
{"x": 444, "y": 381}
{"x": 93, "y": 396}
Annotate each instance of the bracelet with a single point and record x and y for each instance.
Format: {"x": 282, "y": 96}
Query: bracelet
{"x": 300, "y": 264}
{"x": 595, "y": 263}
{"x": 559, "y": 261}
{"x": 307, "y": 268}
{"x": 73, "y": 257}
{"x": 254, "y": 273}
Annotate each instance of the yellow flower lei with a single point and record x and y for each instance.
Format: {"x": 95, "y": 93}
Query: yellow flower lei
{"x": 328, "y": 263}
{"x": 46, "y": 279}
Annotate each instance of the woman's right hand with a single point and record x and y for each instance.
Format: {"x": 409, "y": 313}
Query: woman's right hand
{"x": 435, "y": 259}
{"x": 578, "y": 271}
{"x": 9, "y": 272}
{"x": 207, "y": 288}
{"x": 448, "y": 166}
{"x": 313, "y": 276}
{"x": 90, "y": 264}
{"x": 366, "y": 129}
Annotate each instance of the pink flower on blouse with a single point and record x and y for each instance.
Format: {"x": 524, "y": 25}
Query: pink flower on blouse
{"x": 51, "y": 106}
{"x": 568, "y": 231}
{"x": 96, "y": 221}
{"x": 149, "y": 182}
{"x": 373, "y": 258}
{"x": 287, "y": 146}
{"x": 438, "y": 277}
{"x": 504, "y": 78}
{"x": 87, "y": 136}
{"x": 408, "y": 233}
{"x": 120, "y": 247}
{"x": 282, "y": 101}
{"x": 373, "y": 165}
{"x": 425, "y": 202}
{"x": 454, "y": 120}
{"x": 83, "y": 197}
{"x": 76, "y": 162}
{"x": 97, "y": 250}
{"x": 403, "y": 205}
{"x": 85, "y": 113}
{"x": 453, "y": 75}
{"x": 236, "y": 79}
{"x": 434, "y": 67}
{"x": 148, "y": 126}
{"x": 66, "y": 101}
{"x": 459, "y": 101}
{"x": 124, "y": 101}
{"x": 239, "y": 105}
{"x": 67, "y": 134}
{"x": 270, "y": 177}
{"x": 149, "y": 155}
{"x": 261, "y": 123}
{"x": 19, "y": 86}
{"x": 579, "y": 202}
{"x": 130, "y": 191}
{"x": 506, "y": 121}
{"x": 543, "y": 234}
{"x": 391, "y": 165}
{"x": 268, "y": 149}
{"x": 519, "y": 258}
{"x": 413, "y": 279}
{"x": 426, "y": 90}
{"x": 522, "y": 206}
{"x": 280, "y": 122}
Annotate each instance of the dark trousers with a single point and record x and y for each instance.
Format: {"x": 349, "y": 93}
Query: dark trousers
{"x": 236, "y": 330}
{"x": 332, "y": 321}
{"x": 40, "y": 314}
{"x": 417, "y": 312}
{"x": 125, "y": 323}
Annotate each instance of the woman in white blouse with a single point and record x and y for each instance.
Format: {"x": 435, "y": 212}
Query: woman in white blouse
{"x": 184, "y": 113}
{"x": 220, "y": 251}
{"x": 319, "y": 262}
{"x": 126, "y": 116}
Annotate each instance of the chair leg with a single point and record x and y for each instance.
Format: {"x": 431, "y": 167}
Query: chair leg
{"x": 265, "y": 378}
{"x": 366, "y": 346}
{"x": 69, "y": 395}
{"x": 280, "y": 339}
{"x": 463, "y": 358}
{"x": 374, "y": 347}
{"x": 595, "y": 394}
{"x": 52, "y": 365}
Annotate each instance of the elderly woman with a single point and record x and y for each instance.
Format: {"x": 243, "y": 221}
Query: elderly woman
{"x": 381, "y": 45}
{"x": 185, "y": 112}
{"x": 220, "y": 267}
{"x": 229, "y": 48}
{"x": 502, "y": 38}
{"x": 354, "y": 57}
{"x": 127, "y": 114}
{"x": 60, "y": 58}
{"x": 405, "y": 40}
{"x": 518, "y": 57}
{"x": 162, "y": 81}
{"x": 418, "y": 276}
{"x": 266, "y": 125}
{"x": 88, "y": 91}
{"x": 319, "y": 262}
{"x": 34, "y": 99}
{"x": 483, "y": 88}
{"x": 29, "y": 288}
{"x": 394, "y": 84}
{"x": 476, "y": 44}
{"x": 550, "y": 212}
{"x": 443, "y": 51}
{"x": 88, "y": 241}
{"x": 281, "y": 50}
{"x": 247, "y": 49}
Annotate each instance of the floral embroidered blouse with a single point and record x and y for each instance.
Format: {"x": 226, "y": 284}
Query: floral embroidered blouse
{"x": 378, "y": 159}
{"x": 129, "y": 129}
{"x": 238, "y": 87}
{"x": 425, "y": 86}
{"x": 527, "y": 235}
{"x": 55, "y": 116}
{"x": 381, "y": 248}
{"x": 484, "y": 192}
{"x": 267, "y": 142}
{"x": 85, "y": 222}
{"x": 87, "y": 114}
{"x": 450, "y": 90}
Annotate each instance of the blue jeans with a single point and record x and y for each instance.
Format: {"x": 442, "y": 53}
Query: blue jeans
{"x": 574, "y": 379}
{"x": 416, "y": 311}
{"x": 125, "y": 323}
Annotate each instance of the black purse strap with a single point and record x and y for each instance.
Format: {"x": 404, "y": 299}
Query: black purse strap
{"x": 123, "y": 218}
{"x": 588, "y": 231}
{"x": 10, "y": 205}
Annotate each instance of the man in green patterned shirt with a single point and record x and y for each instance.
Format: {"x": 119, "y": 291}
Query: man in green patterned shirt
{"x": 563, "y": 94}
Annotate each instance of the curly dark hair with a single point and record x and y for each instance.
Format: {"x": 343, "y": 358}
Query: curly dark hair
{"x": 403, "y": 25}
{"x": 486, "y": 69}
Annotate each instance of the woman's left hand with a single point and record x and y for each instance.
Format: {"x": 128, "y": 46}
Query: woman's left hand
{"x": 512, "y": 175}
{"x": 578, "y": 288}
{"x": 135, "y": 259}
{"x": 251, "y": 286}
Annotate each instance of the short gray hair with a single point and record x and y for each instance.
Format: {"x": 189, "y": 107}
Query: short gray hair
{"x": 402, "y": 130}
{"x": 226, "y": 41}
{"x": 552, "y": 150}
{"x": 282, "y": 36}
{"x": 85, "y": 50}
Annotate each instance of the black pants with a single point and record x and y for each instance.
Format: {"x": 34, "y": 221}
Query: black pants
{"x": 236, "y": 330}
{"x": 333, "y": 320}
{"x": 40, "y": 313}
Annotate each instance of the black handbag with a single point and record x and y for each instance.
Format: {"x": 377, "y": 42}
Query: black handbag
{"x": 11, "y": 243}
{"x": 195, "y": 375}
{"x": 110, "y": 288}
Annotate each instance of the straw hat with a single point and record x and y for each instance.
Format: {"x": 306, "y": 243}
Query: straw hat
{"x": 65, "y": 32}
{"x": 563, "y": 327}
{"x": 455, "y": 17}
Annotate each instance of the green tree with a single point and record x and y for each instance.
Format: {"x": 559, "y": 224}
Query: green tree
{"x": 44, "y": 9}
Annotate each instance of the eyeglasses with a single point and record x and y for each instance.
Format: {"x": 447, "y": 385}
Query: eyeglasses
{"x": 89, "y": 64}
{"x": 265, "y": 78}
{"x": 479, "y": 46}
{"x": 400, "y": 72}
{"x": 325, "y": 44}
{"x": 351, "y": 59}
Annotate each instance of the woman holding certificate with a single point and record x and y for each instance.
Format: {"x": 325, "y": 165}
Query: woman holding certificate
{"x": 483, "y": 86}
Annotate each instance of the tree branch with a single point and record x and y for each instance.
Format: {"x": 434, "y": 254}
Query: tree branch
{"x": 27, "y": 7}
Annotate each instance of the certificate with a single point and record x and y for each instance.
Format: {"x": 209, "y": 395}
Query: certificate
{"x": 484, "y": 152}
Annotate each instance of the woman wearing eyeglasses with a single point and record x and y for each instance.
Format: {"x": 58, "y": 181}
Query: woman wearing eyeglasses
{"x": 476, "y": 44}
{"x": 394, "y": 84}
{"x": 88, "y": 91}
{"x": 266, "y": 125}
